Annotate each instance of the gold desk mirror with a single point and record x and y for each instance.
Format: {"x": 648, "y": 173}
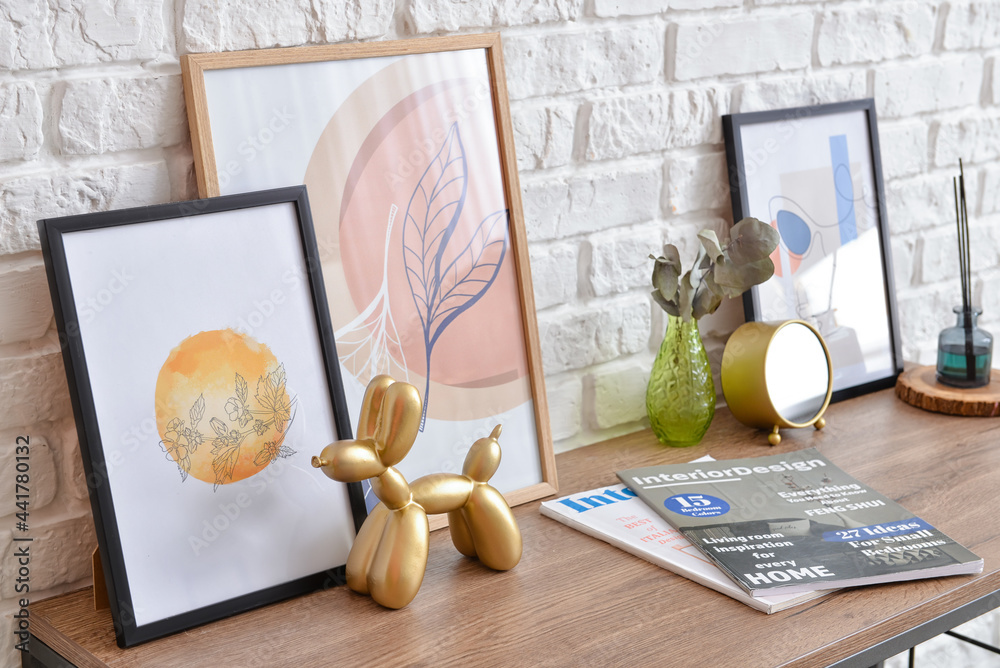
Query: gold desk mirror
{"x": 777, "y": 374}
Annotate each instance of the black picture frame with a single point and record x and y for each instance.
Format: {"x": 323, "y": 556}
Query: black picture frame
{"x": 72, "y": 247}
{"x": 758, "y": 145}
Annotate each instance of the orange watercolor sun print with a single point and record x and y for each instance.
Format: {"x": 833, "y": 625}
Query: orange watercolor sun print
{"x": 213, "y": 426}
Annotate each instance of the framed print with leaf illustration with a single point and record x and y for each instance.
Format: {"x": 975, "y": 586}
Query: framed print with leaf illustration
{"x": 815, "y": 174}
{"x": 407, "y": 151}
{"x": 203, "y": 377}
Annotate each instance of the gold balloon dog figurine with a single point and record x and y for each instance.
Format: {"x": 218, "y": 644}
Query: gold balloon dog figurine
{"x": 389, "y": 555}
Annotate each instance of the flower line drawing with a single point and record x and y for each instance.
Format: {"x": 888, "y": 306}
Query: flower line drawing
{"x": 271, "y": 407}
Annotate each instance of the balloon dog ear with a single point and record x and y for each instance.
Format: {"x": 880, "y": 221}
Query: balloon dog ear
{"x": 398, "y": 422}
{"x": 371, "y": 406}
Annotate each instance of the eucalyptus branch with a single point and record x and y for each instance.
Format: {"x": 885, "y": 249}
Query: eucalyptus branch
{"x": 718, "y": 271}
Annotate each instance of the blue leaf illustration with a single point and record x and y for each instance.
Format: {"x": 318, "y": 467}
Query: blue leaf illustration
{"x": 469, "y": 275}
{"x": 447, "y": 282}
{"x": 431, "y": 217}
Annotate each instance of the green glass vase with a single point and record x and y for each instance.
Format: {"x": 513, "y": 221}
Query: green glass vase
{"x": 680, "y": 398}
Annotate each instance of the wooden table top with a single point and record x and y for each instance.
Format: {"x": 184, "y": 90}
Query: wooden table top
{"x": 574, "y": 600}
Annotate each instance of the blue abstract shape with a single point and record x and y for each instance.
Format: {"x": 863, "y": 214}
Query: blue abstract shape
{"x": 794, "y": 231}
{"x": 843, "y": 188}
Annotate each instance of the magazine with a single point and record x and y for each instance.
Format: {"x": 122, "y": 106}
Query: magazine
{"x": 795, "y": 522}
{"x": 615, "y": 515}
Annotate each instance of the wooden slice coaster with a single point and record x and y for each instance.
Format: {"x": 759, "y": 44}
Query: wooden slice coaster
{"x": 919, "y": 387}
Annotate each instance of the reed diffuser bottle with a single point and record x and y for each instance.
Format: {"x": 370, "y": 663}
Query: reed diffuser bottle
{"x": 965, "y": 352}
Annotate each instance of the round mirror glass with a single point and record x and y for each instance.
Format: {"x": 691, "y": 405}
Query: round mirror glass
{"x": 796, "y": 373}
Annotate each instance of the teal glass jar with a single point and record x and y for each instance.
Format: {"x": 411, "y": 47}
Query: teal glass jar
{"x": 965, "y": 351}
{"x": 680, "y": 397}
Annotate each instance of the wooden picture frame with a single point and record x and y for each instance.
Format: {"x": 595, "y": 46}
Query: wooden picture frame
{"x": 203, "y": 377}
{"x": 815, "y": 173}
{"x": 392, "y": 138}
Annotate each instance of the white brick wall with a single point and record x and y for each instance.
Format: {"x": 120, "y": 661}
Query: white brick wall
{"x": 615, "y": 107}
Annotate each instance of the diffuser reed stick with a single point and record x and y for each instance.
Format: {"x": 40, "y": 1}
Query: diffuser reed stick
{"x": 962, "y": 220}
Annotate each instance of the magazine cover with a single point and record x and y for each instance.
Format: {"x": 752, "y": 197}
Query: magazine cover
{"x": 795, "y": 522}
{"x": 615, "y": 515}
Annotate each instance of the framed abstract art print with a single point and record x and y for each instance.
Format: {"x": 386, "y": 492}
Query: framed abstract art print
{"x": 816, "y": 175}
{"x": 203, "y": 377}
{"x": 407, "y": 151}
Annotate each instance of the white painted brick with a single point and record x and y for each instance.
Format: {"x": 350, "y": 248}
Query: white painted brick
{"x": 903, "y": 261}
{"x": 923, "y": 315}
{"x": 939, "y": 256}
{"x": 24, "y": 35}
{"x": 697, "y": 182}
{"x": 554, "y": 273}
{"x": 984, "y": 239}
{"x": 431, "y": 15}
{"x": 943, "y": 83}
{"x": 60, "y": 554}
{"x": 20, "y": 122}
{"x": 872, "y": 34}
{"x": 973, "y": 139}
{"x": 72, "y": 478}
{"x": 543, "y": 135}
{"x": 229, "y": 25}
{"x": 33, "y": 388}
{"x": 25, "y": 305}
{"x": 6, "y": 536}
{"x": 565, "y": 395}
{"x": 557, "y": 209}
{"x": 990, "y": 301}
{"x": 972, "y": 25}
{"x": 612, "y": 199}
{"x": 995, "y": 82}
{"x": 39, "y": 34}
{"x": 629, "y": 124}
{"x": 903, "y": 148}
{"x": 434, "y": 15}
{"x": 716, "y": 47}
{"x": 619, "y": 259}
{"x": 919, "y": 203}
{"x": 25, "y": 200}
{"x": 614, "y": 8}
{"x": 704, "y": 4}
{"x": 43, "y": 478}
{"x": 5, "y": 541}
{"x": 98, "y": 32}
{"x": 544, "y": 202}
{"x": 633, "y": 124}
{"x": 695, "y": 116}
{"x": 802, "y": 91}
{"x": 562, "y": 63}
{"x": 118, "y": 114}
{"x": 620, "y": 394}
{"x": 10, "y": 656}
{"x": 578, "y": 338}
{"x": 991, "y": 194}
